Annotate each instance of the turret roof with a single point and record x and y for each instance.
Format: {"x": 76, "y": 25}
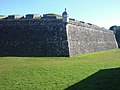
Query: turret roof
{"x": 65, "y": 13}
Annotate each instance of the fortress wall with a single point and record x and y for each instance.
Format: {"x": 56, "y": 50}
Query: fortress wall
{"x": 40, "y": 37}
{"x": 33, "y": 38}
{"x": 83, "y": 39}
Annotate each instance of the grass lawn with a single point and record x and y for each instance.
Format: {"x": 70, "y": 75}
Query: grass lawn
{"x": 96, "y": 71}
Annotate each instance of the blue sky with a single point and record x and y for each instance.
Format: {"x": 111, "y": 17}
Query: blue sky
{"x": 103, "y": 13}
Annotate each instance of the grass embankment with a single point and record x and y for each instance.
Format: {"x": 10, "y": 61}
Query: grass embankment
{"x": 85, "y": 72}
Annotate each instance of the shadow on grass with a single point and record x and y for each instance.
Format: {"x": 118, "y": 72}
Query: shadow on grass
{"x": 107, "y": 79}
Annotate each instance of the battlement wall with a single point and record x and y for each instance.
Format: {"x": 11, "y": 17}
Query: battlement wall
{"x": 87, "y": 25}
{"x": 31, "y": 16}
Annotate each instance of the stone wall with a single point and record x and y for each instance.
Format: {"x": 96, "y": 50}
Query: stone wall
{"x": 86, "y": 38}
{"x": 24, "y": 37}
{"x": 52, "y": 37}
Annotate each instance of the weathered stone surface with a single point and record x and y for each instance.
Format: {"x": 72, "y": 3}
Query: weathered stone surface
{"x": 86, "y": 39}
{"x": 33, "y": 38}
{"x": 52, "y": 37}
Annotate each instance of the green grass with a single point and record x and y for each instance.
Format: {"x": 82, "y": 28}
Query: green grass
{"x": 58, "y": 73}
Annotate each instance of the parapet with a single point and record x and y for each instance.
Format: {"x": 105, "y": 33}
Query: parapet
{"x": 87, "y": 25}
{"x": 2, "y": 16}
{"x": 33, "y": 16}
{"x": 51, "y": 16}
{"x": 16, "y": 16}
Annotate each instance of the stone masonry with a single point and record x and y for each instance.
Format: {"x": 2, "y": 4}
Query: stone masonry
{"x": 33, "y": 38}
{"x": 90, "y": 38}
{"x": 52, "y": 37}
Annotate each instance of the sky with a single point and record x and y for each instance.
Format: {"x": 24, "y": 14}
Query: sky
{"x": 104, "y": 13}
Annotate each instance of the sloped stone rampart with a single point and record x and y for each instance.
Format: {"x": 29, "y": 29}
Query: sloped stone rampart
{"x": 86, "y": 39}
